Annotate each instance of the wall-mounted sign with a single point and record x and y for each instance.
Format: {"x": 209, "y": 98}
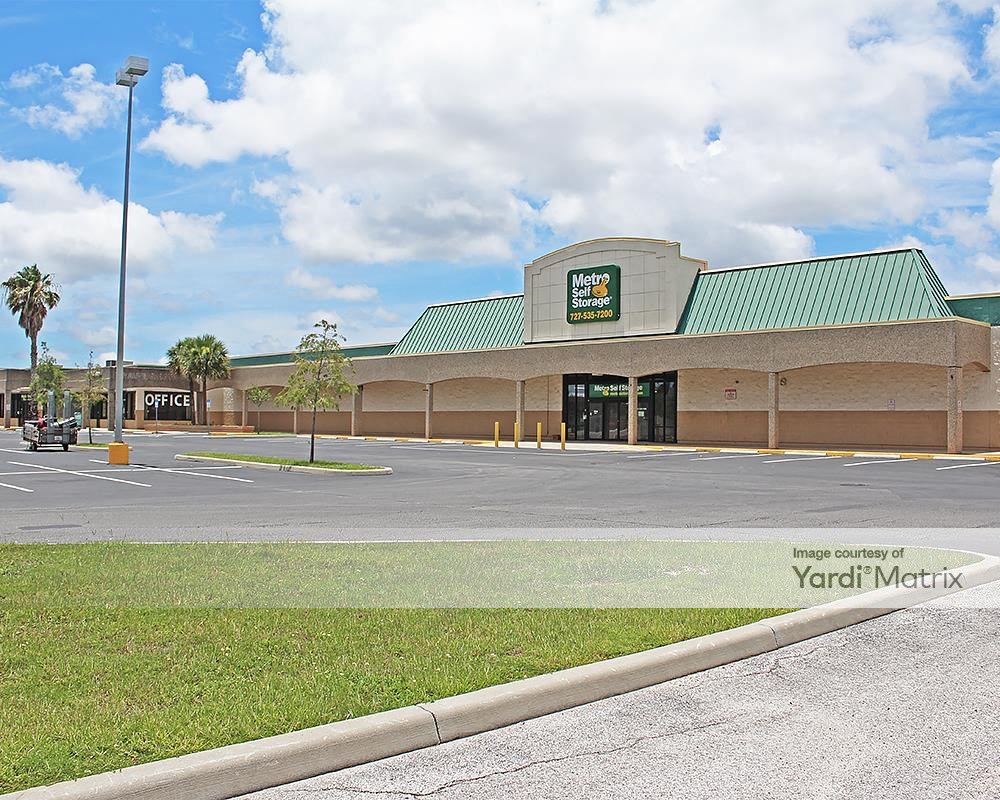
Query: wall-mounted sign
{"x": 593, "y": 294}
{"x": 598, "y": 391}
{"x": 730, "y": 393}
{"x": 167, "y": 405}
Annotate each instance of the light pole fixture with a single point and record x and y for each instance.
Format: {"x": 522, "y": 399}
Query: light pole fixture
{"x": 135, "y": 67}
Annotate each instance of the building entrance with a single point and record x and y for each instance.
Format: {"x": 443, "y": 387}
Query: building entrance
{"x": 595, "y": 408}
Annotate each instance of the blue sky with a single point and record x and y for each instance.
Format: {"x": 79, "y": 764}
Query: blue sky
{"x": 301, "y": 159}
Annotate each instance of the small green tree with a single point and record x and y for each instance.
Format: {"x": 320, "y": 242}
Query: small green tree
{"x": 90, "y": 392}
{"x": 48, "y": 376}
{"x": 318, "y": 380}
{"x": 258, "y": 395}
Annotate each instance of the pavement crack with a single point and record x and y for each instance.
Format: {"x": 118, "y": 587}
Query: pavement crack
{"x": 627, "y": 745}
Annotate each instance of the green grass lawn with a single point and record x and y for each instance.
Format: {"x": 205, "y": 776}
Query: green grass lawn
{"x": 293, "y": 462}
{"x": 116, "y": 654}
{"x": 89, "y": 690}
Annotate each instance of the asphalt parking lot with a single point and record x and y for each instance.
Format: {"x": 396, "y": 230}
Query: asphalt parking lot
{"x": 468, "y": 490}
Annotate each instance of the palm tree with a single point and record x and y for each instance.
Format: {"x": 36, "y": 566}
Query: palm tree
{"x": 208, "y": 358}
{"x": 30, "y": 295}
{"x": 179, "y": 360}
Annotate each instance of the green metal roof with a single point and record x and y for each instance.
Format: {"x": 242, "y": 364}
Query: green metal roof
{"x": 984, "y": 307}
{"x": 360, "y": 351}
{"x": 493, "y": 322}
{"x": 842, "y": 290}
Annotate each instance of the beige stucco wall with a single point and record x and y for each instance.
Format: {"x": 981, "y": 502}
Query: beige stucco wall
{"x": 393, "y": 396}
{"x": 704, "y": 390}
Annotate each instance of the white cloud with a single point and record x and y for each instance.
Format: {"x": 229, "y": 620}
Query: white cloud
{"x": 85, "y": 102}
{"x": 48, "y": 216}
{"x": 323, "y": 288}
{"x": 455, "y": 130}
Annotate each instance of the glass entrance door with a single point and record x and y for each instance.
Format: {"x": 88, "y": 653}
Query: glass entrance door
{"x": 595, "y": 408}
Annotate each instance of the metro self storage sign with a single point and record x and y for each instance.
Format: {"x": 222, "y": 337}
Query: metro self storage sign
{"x": 593, "y": 294}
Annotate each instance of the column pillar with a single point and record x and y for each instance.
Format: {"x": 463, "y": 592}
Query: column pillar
{"x": 243, "y": 421}
{"x": 519, "y": 407}
{"x": 633, "y": 410}
{"x": 429, "y": 411}
{"x": 955, "y": 433}
{"x": 357, "y": 405}
{"x": 773, "y": 407}
{"x": 6, "y": 407}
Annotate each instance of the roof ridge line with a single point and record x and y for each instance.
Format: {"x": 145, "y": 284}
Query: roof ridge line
{"x": 832, "y": 257}
{"x": 475, "y": 300}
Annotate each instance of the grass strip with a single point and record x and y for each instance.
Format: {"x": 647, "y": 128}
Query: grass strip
{"x": 292, "y": 462}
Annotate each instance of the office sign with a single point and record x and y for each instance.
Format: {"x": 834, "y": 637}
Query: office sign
{"x": 167, "y": 405}
{"x": 593, "y": 294}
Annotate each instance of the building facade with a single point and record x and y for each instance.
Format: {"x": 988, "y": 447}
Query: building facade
{"x": 629, "y": 340}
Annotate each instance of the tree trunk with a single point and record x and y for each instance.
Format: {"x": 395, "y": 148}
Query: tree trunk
{"x": 204, "y": 400}
{"x": 194, "y": 404}
{"x": 34, "y": 353}
{"x": 90, "y": 424}
{"x": 312, "y": 439}
{"x": 258, "y": 419}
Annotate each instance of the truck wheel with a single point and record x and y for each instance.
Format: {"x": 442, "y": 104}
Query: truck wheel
{"x": 65, "y": 447}
{"x": 33, "y": 446}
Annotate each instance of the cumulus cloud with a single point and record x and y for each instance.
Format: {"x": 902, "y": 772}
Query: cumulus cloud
{"x": 48, "y": 216}
{"x": 85, "y": 102}
{"x": 323, "y": 288}
{"x": 454, "y": 130}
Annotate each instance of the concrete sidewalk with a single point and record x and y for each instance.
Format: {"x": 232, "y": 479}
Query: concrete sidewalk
{"x": 905, "y": 706}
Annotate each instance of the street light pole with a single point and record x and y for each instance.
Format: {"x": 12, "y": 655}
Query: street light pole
{"x": 135, "y": 67}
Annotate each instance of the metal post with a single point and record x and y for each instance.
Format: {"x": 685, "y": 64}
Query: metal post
{"x": 538, "y": 434}
{"x": 119, "y": 367}
{"x": 496, "y": 434}
{"x": 562, "y": 436}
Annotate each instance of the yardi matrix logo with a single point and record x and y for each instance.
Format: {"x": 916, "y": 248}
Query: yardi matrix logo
{"x": 593, "y": 294}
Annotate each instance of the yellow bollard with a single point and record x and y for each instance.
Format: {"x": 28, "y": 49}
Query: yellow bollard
{"x": 496, "y": 434}
{"x": 538, "y": 434}
{"x": 562, "y": 436}
{"x": 118, "y": 453}
{"x": 517, "y": 433}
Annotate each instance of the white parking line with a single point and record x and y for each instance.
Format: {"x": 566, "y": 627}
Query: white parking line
{"x": 738, "y": 455}
{"x": 82, "y": 474}
{"x": 880, "y": 461}
{"x": 19, "y": 488}
{"x": 800, "y": 458}
{"x": 975, "y": 464}
{"x": 665, "y": 455}
{"x": 195, "y": 474}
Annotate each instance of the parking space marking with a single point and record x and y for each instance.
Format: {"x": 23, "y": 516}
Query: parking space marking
{"x": 975, "y": 464}
{"x": 880, "y": 461}
{"x": 738, "y": 455}
{"x": 18, "y": 488}
{"x": 665, "y": 455}
{"x": 82, "y": 474}
{"x": 799, "y": 458}
{"x": 195, "y": 474}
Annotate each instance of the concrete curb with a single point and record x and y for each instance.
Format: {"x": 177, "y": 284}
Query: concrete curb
{"x": 287, "y": 467}
{"x": 624, "y": 448}
{"x": 238, "y": 769}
